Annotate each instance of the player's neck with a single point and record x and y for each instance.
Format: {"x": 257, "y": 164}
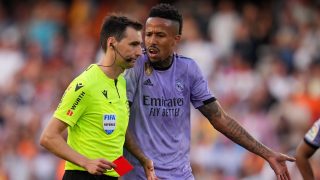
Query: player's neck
{"x": 163, "y": 64}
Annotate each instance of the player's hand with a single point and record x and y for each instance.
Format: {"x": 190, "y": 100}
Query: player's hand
{"x": 149, "y": 170}
{"x": 98, "y": 166}
{"x": 278, "y": 164}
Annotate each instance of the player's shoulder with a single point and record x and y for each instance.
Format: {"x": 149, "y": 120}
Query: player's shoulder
{"x": 186, "y": 63}
{"x": 183, "y": 59}
{"x": 317, "y": 122}
{"x": 313, "y": 135}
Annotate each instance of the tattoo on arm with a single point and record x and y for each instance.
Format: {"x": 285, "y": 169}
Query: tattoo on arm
{"x": 232, "y": 129}
{"x": 242, "y": 137}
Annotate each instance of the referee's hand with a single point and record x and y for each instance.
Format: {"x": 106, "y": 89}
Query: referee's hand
{"x": 98, "y": 166}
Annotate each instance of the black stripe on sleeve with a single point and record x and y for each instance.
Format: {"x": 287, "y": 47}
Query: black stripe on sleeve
{"x": 209, "y": 100}
{"x": 311, "y": 145}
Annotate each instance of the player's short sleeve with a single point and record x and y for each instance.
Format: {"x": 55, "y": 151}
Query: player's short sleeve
{"x": 200, "y": 92}
{"x": 73, "y": 103}
{"x": 312, "y": 137}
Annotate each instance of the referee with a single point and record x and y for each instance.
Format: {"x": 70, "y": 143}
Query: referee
{"x": 94, "y": 108}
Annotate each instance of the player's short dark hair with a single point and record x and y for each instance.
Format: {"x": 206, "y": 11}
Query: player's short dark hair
{"x": 167, "y": 11}
{"x": 116, "y": 26}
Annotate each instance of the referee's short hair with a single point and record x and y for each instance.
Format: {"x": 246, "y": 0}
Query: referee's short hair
{"x": 116, "y": 26}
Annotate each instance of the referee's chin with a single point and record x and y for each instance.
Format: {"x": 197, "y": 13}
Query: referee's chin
{"x": 131, "y": 64}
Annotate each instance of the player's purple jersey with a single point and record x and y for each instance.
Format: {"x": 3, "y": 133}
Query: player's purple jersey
{"x": 160, "y": 114}
{"x": 312, "y": 137}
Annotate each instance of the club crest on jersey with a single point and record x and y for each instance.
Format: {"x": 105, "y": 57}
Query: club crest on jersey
{"x": 179, "y": 85}
{"x": 109, "y": 123}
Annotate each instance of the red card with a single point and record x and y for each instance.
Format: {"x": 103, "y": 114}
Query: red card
{"x": 123, "y": 166}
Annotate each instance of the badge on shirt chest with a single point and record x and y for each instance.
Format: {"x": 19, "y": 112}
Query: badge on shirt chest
{"x": 109, "y": 123}
{"x": 179, "y": 85}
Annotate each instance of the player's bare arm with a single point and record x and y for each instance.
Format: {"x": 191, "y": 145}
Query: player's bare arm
{"x": 303, "y": 154}
{"x": 232, "y": 129}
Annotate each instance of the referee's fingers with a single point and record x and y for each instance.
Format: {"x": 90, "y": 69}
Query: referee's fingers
{"x": 107, "y": 164}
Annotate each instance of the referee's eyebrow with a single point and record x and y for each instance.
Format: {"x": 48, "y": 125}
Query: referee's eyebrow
{"x": 136, "y": 43}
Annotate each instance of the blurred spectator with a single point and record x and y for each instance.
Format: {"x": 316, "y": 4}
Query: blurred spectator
{"x": 222, "y": 26}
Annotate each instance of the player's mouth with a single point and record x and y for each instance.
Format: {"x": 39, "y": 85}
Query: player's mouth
{"x": 153, "y": 51}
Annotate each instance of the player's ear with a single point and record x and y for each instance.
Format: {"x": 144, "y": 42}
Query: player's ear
{"x": 177, "y": 38}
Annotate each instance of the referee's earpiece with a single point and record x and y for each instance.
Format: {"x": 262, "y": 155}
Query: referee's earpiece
{"x": 123, "y": 57}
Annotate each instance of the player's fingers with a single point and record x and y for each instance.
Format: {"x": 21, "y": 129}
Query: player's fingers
{"x": 284, "y": 177}
{"x": 288, "y": 175}
{"x": 289, "y": 158}
{"x": 280, "y": 177}
{"x": 152, "y": 177}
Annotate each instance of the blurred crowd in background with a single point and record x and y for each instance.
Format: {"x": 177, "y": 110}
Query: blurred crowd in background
{"x": 261, "y": 59}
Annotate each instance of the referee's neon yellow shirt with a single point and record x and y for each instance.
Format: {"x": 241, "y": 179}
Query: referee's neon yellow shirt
{"x": 96, "y": 109}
